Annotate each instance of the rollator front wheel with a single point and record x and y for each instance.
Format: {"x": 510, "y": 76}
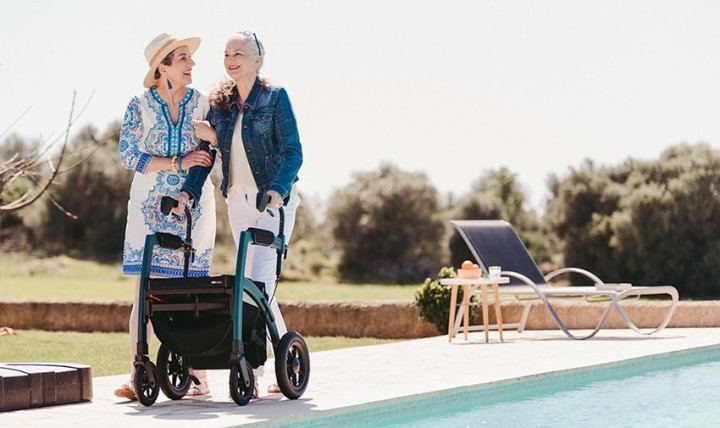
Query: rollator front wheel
{"x": 174, "y": 373}
{"x": 292, "y": 365}
{"x": 242, "y": 382}
{"x": 146, "y": 385}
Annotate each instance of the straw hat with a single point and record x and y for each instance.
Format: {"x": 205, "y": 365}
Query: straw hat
{"x": 159, "y": 48}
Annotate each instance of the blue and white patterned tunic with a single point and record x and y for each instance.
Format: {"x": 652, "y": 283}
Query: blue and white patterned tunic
{"x": 148, "y": 131}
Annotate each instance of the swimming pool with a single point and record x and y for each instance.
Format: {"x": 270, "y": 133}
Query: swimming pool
{"x": 674, "y": 389}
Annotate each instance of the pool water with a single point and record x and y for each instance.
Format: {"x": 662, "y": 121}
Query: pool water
{"x": 686, "y": 396}
{"x": 679, "y": 389}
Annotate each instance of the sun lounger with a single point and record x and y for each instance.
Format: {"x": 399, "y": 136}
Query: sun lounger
{"x": 495, "y": 243}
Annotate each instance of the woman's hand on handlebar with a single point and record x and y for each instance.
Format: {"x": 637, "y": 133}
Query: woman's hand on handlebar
{"x": 183, "y": 198}
{"x": 276, "y": 201}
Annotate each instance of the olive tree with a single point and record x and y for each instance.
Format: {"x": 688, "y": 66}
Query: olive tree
{"x": 648, "y": 222}
{"x": 96, "y": 193}
{"x": 668, "y": 227}
{"x": 385, "y": 224}
{"x": 578, "y": 213}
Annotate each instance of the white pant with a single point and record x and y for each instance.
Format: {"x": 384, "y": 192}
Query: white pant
{"x": 261, "y": 261}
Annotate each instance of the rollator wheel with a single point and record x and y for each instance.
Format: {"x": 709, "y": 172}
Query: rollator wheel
{"x": 292, "y": 365}
{"x": 147, "y": 391}
{"x": 174, "y": 373}
{"x": 241, "y": 389}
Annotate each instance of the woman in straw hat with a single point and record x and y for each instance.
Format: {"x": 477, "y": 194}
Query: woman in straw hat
{"x": 158, "y": 142}
{"x": 253, "y": 125}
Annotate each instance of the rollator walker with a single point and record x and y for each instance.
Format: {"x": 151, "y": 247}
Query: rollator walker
{"x": 203, "y": 323}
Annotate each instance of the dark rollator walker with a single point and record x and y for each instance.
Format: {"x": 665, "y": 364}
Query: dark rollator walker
{"x": 203, "y": 323}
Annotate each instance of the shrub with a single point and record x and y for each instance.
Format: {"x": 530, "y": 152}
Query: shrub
{"x": 386, "y": 227}
{"x": 645, "y": 222}
{"x": 433, "y": 300}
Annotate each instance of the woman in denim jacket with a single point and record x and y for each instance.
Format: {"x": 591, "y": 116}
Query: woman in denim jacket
{"x": 253, "y": 126}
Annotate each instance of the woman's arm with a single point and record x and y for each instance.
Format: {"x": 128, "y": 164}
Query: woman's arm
{"x": 288, "y": 140}
{"x": 197, "y": 175}
{"x": 131, "y": 157}
{"x": 131, "y": 131}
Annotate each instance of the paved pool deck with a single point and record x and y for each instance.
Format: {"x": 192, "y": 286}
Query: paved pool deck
{"x": 362, "y": 378}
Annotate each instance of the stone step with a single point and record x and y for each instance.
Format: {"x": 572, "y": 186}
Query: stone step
{"x": 31, "y": 385}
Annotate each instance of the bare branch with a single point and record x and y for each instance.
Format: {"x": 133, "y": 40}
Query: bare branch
{"x": 2, "y": 134}
{"x": 26, "y": 166}
{"x": 62, "y": 209}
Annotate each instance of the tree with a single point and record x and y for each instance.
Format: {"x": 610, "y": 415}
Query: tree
{"x": 649, "y": 222}
{"x": 386, "y": 225}
{"x": 14, "y": 233}
{"x": 96, "y": 193}
{"x": 668, "y": 228}
{"x": 27, "y": 172}
{"x": 503, "y": 186}
{"x": 29, "y": 168}
{"x": 310, "y": 246}
{"x": 579, "y": 213}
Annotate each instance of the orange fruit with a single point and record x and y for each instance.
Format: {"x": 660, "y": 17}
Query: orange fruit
{"x": 467, "y": 264}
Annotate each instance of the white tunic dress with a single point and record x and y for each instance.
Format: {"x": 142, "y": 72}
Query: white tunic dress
{"x": 148, "y": 131}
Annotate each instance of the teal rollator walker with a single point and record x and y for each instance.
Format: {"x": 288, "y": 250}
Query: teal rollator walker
{"x": 203, "y": 323}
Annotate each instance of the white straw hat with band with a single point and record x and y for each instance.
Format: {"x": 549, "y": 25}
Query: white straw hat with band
{"x": 159, "y": 48}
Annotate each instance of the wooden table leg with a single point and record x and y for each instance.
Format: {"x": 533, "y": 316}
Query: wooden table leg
{"x": 486, "y": 319}
{"x": 451, "y": 321}
{"x": 498, "y": 310}
{"x": 466, "y": 308}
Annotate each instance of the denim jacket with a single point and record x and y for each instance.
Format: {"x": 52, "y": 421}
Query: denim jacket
{"x": 270, "y": 137}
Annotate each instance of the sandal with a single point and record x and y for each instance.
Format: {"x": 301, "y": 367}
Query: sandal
{"x": 126, "y": 391}
{"x": 202, "y": 388}
{"x": 274, "y": 389}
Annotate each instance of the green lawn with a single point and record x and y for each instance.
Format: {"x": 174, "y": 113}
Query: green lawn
{"x": 66, "y": 278}
{"x": 109, "y": 353}
{"x": 62, "y": 277}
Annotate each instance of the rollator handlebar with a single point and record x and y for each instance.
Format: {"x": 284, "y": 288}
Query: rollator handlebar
{"x": 262, "y": 201}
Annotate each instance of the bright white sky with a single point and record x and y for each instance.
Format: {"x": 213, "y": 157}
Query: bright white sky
{"x": 449, "y": 88}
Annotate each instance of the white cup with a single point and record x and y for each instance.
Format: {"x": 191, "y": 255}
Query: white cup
{"x": 494, "y": 271}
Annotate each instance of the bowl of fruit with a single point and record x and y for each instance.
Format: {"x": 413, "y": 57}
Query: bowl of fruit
{"x": 469, "y": 270}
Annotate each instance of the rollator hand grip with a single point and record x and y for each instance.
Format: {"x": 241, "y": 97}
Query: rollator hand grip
{"x": 167, "y": 203}
{"x": 261, "y": 236}
{"x": 168, "y": 240}
{"x": 262, "y": 201}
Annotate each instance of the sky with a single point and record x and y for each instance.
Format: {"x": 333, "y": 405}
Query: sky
{"x": 448, "y": 88}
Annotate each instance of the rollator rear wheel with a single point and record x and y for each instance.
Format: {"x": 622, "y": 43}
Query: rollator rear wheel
{"x": 241, "y": 389}
{"x": 174, "y": 373}
{"x": 292, "y": 365}
{"x": 146, "y": 390}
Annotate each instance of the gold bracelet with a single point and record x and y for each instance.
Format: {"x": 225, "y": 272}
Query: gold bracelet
{"x": 173, "y": 163}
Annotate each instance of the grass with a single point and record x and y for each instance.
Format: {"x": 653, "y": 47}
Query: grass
{"x": 22, "y": 276}
{"x": 109, "y": 353}
{"x": 66, "y": 278}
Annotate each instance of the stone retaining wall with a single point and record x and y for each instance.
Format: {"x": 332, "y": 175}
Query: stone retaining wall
{"x": 388, "y": 320}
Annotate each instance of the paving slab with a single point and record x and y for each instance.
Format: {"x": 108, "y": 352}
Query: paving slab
{"x": 352, "y": 379}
